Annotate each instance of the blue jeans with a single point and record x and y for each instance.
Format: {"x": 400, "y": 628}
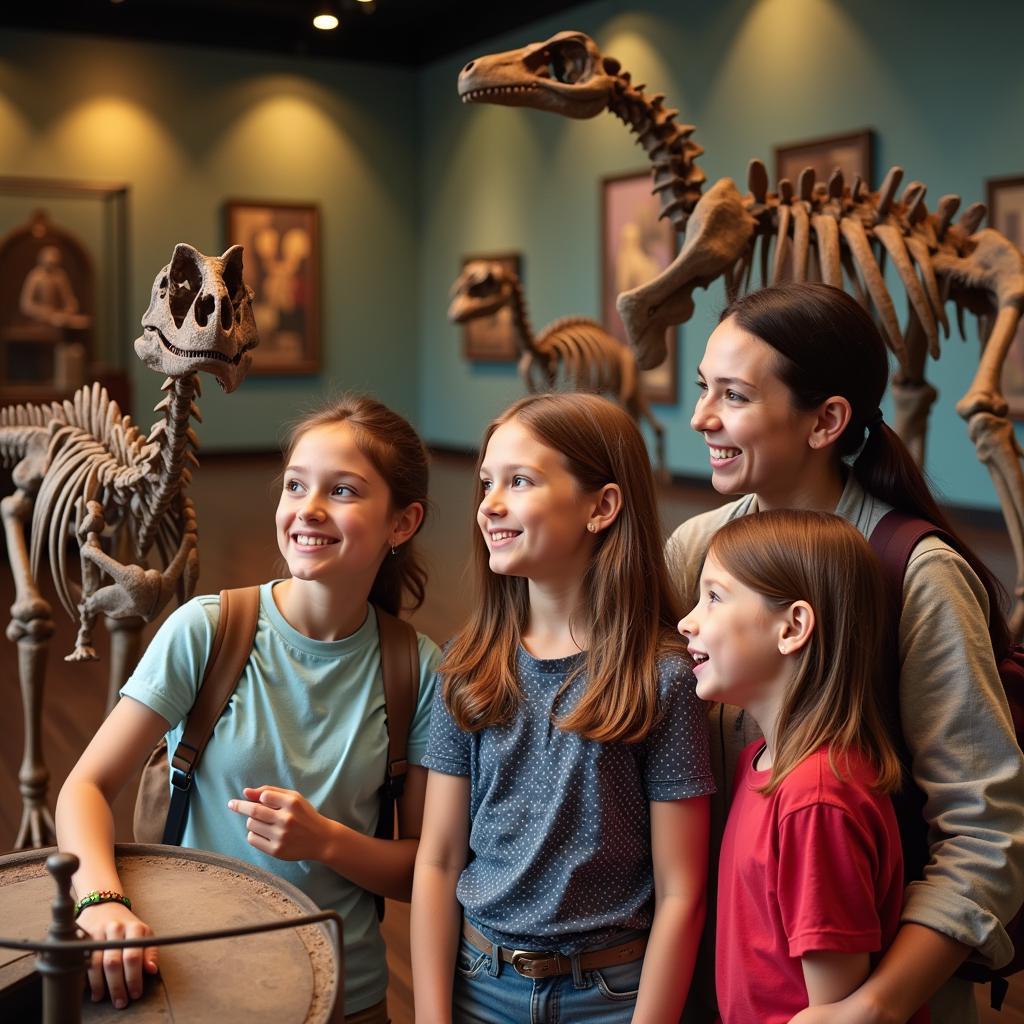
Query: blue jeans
{"x": 488, "y": 991}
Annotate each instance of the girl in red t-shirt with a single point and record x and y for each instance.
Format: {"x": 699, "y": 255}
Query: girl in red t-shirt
{"x": 789, "y": 626}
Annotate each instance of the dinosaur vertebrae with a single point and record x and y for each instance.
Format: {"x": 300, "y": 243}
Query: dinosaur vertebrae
{"x": 178, "y": 445}
{"x": 823, "y": 216}
{"x": 677, "y": 178}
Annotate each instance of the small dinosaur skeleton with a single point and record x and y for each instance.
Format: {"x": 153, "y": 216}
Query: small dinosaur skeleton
{"x": 833, "y": 231}
{"x": 590, "y": 358}
{"x": 84, "y": 472}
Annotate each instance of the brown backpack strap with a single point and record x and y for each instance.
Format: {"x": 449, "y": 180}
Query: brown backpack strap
{"x": 400, "y": 674}
{"x": 232, "y": 645}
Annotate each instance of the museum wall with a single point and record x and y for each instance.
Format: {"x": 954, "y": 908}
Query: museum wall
{"x": 939, "y": 83}
{"x": 187, "y": 129}
{"x": 408, "y": 180}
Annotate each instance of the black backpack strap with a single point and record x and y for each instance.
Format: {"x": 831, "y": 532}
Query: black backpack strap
{"x": 232, "y": 645}
{"x": 400, "y": 676}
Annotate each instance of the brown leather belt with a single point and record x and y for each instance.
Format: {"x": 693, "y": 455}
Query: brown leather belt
{"x": 531, "y": 964}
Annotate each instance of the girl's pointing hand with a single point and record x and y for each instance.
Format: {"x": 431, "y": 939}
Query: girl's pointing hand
{"x": 282, "y": 823}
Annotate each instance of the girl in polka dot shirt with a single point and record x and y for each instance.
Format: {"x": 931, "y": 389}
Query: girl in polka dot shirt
{"x": 563, "y": 859}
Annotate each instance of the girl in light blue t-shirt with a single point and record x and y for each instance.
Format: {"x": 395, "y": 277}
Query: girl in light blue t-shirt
{"x": 291, "y": 776}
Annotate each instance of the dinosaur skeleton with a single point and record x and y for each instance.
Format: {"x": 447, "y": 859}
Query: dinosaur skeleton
{"x": 590, "y": 358}
{"x": 83, "y": 471}
{"x": 833, "y": 231}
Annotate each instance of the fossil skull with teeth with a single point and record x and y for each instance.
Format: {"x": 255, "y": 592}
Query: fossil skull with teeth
{"x": 566, "y": 75}
{"x": 200, "y": 318}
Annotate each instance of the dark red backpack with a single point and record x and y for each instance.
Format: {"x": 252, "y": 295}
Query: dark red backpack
{"x": 893, "y": 540}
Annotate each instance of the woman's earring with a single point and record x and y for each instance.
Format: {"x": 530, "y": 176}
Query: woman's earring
{"x": 394, "y": 550}
{"x": 592, "y": 527}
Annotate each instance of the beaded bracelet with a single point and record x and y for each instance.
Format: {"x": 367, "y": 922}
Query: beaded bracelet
{"x": 92, "y": 899}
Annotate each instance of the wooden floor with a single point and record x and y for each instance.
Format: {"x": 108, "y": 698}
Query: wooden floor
{"x": 235, "y": 500}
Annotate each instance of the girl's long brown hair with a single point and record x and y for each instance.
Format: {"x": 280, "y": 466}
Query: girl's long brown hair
{"x": 398, "y": 454}
{"x": 628, "y": 612}
{"x": 785, "y": 556}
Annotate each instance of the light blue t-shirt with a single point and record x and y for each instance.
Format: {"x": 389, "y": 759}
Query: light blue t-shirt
{"x": 306, "y": 715}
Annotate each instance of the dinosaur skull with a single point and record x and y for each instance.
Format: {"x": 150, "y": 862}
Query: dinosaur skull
{"x": 200, "y": 318}
{"x": 481, "y": 289}
{"x": 566, "y": 75}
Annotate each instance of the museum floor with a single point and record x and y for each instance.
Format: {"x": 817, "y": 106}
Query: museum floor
{"x": 235, "y": 499}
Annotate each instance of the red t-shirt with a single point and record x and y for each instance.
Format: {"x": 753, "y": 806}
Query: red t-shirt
{"x": 814, "y": 866}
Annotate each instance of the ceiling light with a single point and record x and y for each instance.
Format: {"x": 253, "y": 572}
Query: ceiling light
{"x": 325, "y": 18}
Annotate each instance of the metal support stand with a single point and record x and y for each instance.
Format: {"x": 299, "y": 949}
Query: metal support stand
{"x": 63, "y": 969}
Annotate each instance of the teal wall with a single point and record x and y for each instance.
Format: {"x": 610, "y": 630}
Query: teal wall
{"x": 939, "y": 82}
{"x": 189, "y": 128}
{"x": 408, "y": 179}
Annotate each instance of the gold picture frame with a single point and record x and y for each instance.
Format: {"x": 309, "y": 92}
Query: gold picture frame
{"x": 282, "y": 266}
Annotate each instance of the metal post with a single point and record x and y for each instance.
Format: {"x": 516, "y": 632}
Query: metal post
{"x": 63, "y": 970}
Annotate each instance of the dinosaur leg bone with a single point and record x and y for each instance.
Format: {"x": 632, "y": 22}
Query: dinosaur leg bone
{"x": 995, "y": 266}
{"x": 90, "y": 530}
{"x": 30, "y": 628}
{"x": 125, "y": 648}
{"x": 912, "y": 395}
{"x": 985, "y": 393}
{"x": 996, "y": 445}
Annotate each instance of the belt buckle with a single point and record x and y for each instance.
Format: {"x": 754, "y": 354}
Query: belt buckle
{"x": 523, "y": 957}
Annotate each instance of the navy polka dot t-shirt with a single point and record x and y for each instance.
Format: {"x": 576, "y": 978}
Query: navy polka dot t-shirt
{"x": 560, "y": 834}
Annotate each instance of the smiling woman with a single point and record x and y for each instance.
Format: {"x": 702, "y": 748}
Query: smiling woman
{"x": 750, "y": 423}
{"x": 292, "y": 775}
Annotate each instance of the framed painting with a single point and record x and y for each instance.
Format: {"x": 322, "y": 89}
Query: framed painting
{"x": 852, "y": 153}
{"x": 1006, "y": 215}
{"x": 63, "y": 289}
{"x": 282, "y": 266}
{"x": 635, "y": 247}
{"x": 492, "y": 339}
